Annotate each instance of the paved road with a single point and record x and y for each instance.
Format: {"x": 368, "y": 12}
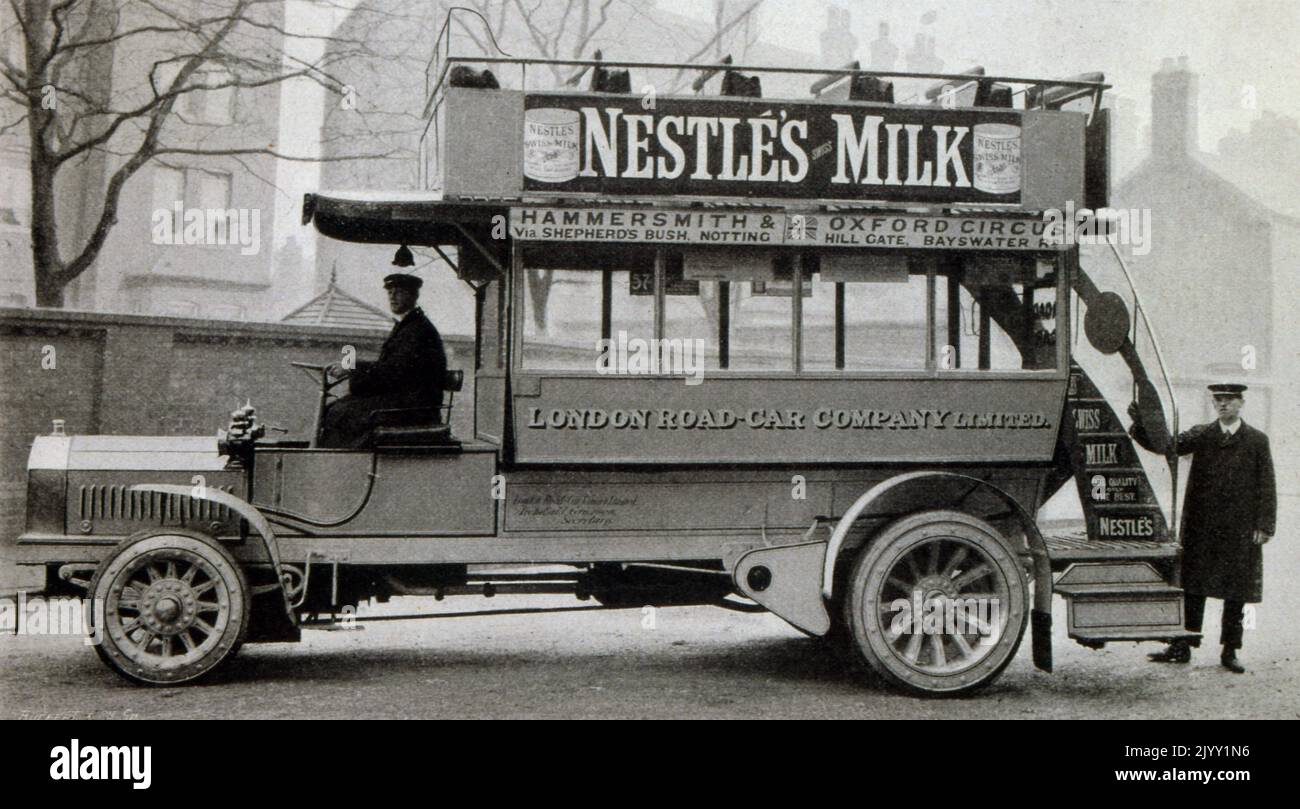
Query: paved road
{"x": 695, "y": 662}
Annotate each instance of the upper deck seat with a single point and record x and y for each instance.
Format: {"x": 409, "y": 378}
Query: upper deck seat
{"x": 871, "y": 88}
{"x": 462, "y": 76}
{"x": 605, "y": 80}
{"x": 741, "y": 86}
{"x": 417, "y": 426}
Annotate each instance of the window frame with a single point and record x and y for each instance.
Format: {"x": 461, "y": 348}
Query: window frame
{"x": 1065, "y": 263}
{"x": 1066, "y": 267}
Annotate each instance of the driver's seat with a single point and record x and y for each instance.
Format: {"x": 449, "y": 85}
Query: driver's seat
{"x": 417, "y": 426}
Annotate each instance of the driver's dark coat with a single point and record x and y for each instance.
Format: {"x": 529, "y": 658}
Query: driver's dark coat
{"x": 1230, "y": 494}
{"x": 408, "y": 373}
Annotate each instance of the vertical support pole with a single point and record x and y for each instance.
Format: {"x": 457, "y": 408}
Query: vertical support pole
{"x": 606, "y": 303}
{"x": 724, "y": 324}
{"x": 931, "y": 324}
{"x": 839, "y": 325}
{"x": 1027, "y": 317}
{"x": 660, "y": 283}
{"x": 954, "y": 317}
{"x": 985, "y": 339}
{"x": 796, "y": 312}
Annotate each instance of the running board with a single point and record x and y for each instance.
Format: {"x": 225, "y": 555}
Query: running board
{"x": 1120, "y": 601}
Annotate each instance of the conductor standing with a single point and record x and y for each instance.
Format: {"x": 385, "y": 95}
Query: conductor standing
{"x": 1230, "y": 511}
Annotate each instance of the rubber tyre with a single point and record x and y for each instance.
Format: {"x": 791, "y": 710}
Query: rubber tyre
{"x": 869, "y": 583}
{"x": 226, "y": 611}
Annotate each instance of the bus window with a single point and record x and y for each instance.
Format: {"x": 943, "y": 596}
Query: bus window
{"x": 562, "y": 319}
{"x": 995, "y": 314}
{"x": 693, "y": 312}
{"x": 761, "y": 320}
{"x": 491, "y": 303}
{"x": 865, "y": 313}
{"x": 631, "y": 305}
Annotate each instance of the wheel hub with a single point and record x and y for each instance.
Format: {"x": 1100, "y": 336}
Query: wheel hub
{"x": 935, "y": 586}
{"x": 168, "y": 607}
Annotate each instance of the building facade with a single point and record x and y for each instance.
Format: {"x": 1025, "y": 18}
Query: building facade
{"x": 193, "y": 232}
{"x": 1220, "y": 273}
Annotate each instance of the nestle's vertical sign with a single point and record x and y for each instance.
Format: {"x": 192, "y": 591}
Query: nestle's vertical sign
{"x": 611, "y": 145}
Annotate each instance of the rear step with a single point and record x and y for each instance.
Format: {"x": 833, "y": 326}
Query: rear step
{"x": 1120, "y": 601}
{"x": 1096, "y": 639}
{"x": 1077, "y": 547}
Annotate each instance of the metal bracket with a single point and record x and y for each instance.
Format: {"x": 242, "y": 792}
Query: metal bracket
{"x": 333, "y": 561}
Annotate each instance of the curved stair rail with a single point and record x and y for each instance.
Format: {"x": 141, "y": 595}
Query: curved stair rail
{"x": 1144, "y": 390}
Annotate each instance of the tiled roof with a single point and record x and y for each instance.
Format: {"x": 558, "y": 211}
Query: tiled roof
{"x": 334, "y": 307}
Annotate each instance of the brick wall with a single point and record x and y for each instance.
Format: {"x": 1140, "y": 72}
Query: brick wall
{"x": 133, "y": 375}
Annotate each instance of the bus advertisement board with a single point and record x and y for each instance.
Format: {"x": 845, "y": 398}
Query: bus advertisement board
{"x": 767, "y": 228}
{"x": 603, "y": 144}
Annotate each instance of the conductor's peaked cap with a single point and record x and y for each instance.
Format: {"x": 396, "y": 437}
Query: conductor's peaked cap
{"x": 403, "y": 280}
{"x": 1227, "y": 389}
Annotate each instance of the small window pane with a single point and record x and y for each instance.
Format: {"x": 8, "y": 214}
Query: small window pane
{"x": 213, "y": 190}
{"x": 631, "y": 305}
{"x": 996, "y": 314}
{"x": 489, "y": 326}
{"x": 762, "y": 322}
{"x": 168, "y": 189}
{"x": 884, "y": 314}
{"x": 819, "y": 324}
{"x": 561, "y": 319}
{"x": 692, "y": 316}
{"x": 884, "y": 324}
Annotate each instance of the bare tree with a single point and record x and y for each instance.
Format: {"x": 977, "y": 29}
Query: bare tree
{"x": 103, "y": 80}
{"x": 550, "y": 33}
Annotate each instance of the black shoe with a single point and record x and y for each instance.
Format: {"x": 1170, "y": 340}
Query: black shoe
{"x": 1176, "y": 652}
{"x": 1229, "y": 661}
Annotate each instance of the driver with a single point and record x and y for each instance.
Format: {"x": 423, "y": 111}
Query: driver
{"x": 408, "y": 373}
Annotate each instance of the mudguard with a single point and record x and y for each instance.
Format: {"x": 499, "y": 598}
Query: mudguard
{"x": 1041, "y": 616}
{"x": 244, "y": 510}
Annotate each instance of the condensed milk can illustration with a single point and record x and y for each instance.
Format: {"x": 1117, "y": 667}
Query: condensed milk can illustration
{"x": 997, "y": 158}
{"x": 551, "y": 144}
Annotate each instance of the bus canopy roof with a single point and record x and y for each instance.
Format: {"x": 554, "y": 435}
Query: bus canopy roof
{"x": 415, "y": 218}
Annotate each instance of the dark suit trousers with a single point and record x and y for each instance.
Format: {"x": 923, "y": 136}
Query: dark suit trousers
{"x": 1230, "y": 631}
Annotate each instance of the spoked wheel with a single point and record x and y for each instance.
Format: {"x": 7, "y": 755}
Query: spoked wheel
{"x": 938, "y": 604}
{"x": 168, "y": 606}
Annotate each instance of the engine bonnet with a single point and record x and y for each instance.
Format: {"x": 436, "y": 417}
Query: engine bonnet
{"x": 144, "y": 452}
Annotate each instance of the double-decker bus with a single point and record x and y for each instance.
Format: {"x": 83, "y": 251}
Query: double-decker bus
{"x": 814, "y": 351}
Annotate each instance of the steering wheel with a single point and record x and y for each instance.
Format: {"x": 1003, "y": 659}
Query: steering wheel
{"x": 321, "y": 373}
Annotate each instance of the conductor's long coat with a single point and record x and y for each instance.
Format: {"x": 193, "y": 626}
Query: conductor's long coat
{"x": 1230, "y": 494}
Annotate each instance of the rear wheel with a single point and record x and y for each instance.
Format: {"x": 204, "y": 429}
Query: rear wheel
{"x": 937, "y": 603}
{"x": 168, "y": 606}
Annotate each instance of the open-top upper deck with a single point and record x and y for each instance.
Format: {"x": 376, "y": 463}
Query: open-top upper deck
{"x": 517, "y": 130}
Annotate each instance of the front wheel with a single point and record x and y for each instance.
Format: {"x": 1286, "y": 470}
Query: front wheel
{"x": 168, "y": 606}
{"x": 937, "y": 603}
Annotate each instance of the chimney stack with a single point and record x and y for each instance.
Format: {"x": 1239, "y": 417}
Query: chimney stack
{"x": 1174, "y": 132}
{"x": 838, "y": 44}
